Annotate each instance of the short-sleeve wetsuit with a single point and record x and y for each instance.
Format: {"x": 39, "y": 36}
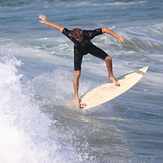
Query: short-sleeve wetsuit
{"x": 85, "y": 46}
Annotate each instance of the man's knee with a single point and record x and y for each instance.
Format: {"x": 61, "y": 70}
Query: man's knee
{"x": 108, "y": 58}
{"x": 77, "y": 74}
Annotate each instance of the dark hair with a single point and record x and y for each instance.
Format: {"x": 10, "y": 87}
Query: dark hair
{"x": 76, "y": 33}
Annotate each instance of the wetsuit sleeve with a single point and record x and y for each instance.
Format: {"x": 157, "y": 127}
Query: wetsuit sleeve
{"x": 92, "y": 33}
{"x": 66, "y": 32}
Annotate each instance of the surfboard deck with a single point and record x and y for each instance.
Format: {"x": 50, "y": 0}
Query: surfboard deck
{"x": 109, "y": 91}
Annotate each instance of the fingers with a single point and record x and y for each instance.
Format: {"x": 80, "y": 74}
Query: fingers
{"x": 42, "y": 16}
{"x": 121, "y": 39}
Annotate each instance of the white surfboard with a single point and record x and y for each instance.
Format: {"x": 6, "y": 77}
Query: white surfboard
{"x": 109, "y": 91}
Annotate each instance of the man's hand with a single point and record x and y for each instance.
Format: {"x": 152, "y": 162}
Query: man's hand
{"x": 120, "y": 38}
{"x": 43, "y": 19}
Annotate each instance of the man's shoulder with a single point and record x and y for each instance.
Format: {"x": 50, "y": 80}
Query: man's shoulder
{"x": 92, "y": 33}
{"x": 65, "y": 30}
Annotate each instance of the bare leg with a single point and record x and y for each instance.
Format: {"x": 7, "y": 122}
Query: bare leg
{"x": 76, "y": 87}
{"x": 108, "y": 60}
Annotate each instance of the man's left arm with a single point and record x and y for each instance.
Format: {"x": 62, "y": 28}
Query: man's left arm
{"x": 110, "y": 32}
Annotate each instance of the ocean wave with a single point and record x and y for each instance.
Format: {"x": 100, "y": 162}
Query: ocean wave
{"x": 48, "y": 4}
{"x": 22, "y": 118}
{"x": 144, "y": 39}
{"x": 82, "y": 4}
{"x": 25, "y": 130}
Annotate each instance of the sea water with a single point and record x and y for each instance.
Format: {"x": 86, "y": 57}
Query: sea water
{"x": 36, "y": 71}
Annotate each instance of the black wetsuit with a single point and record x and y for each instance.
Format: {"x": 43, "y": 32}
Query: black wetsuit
{"x": 85, "y": 46}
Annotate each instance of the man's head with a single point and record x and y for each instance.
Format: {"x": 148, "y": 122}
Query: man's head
{"x": 77, "y": 34}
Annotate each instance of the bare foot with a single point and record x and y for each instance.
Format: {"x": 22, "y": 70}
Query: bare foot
{"x": 114, "y": 81}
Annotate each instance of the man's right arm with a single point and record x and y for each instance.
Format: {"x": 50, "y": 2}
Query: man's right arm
{"x": 45, "y": 21}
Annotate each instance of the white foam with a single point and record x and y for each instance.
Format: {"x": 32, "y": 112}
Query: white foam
{"x": 55, "y": 86}
{"x": 25, "y": 130}
{"x": 22, "y": 125}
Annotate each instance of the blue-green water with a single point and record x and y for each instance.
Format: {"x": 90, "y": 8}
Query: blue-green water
{"x": 36, "y": 67}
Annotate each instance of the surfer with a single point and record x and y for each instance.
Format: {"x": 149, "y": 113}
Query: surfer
{"x": 82, "y": 46}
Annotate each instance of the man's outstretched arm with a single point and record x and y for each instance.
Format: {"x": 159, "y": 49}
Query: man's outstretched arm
{"x": 109, "y": 31}
{"x": 45, "y": 21}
